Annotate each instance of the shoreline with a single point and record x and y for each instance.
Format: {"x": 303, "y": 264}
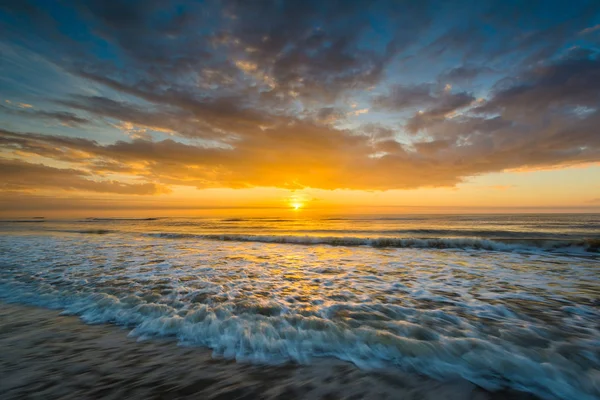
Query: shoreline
{"x": 45, "y": 355}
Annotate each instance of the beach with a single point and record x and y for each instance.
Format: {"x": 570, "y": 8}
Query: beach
{"x": 48, "y": 356}
{"x": 404, "y": 307}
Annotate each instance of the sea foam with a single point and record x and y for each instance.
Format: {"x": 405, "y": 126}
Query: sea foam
{"x": 502, "y": 315}
{"x": 568, "y": 246}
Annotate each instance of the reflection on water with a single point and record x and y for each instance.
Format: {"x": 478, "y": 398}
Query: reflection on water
{"x": 521, "y": 319}
{"x": 575, "y": 233}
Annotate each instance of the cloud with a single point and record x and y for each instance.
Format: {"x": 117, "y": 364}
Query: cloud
{"x": 441, "y": 108}
{"x": 407, "y": 96}
{"x": 18, "y": 175}
{"x": 133, "y": 131}
{"x": 359, "y": 112}
{"x": 297, "y": 153}
{"x": 590, "y": 29}
{"x": 63, "y": 117}
{"x": 464, "y": 73}
{"x": 550, "y": 89}
{"x": 434, "y": 102}
{"x": 261, "y": 93}
{"x": 309, "y": 50}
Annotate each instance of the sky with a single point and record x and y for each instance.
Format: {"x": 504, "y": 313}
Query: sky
{"x": 194, "y": 107}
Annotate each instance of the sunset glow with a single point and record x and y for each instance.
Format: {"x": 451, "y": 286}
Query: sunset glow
{"x": 370, "y": 110}
{"x": 300, "y": 199}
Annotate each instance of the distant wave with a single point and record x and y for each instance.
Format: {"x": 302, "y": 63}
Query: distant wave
{"x": 579, "y": 246}
{"x": 86, "y": 231}
{"x": 95, "y": 231}
{"x": 12, "y": 221}
{"x": 257, "y": 219}
{"x": 476, "y": 233}
{"x": 120, "y": 219}
{"x": 371, "y": 218}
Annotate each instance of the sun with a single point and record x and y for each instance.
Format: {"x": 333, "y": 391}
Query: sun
{"x": 296, "y": 201}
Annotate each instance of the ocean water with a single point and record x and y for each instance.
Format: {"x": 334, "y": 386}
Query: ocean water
{"x": 505, "y": 301}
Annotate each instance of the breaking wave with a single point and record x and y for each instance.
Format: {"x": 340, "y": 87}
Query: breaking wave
{"x": 522, "y": 244}
{"x": 265, "y": 332}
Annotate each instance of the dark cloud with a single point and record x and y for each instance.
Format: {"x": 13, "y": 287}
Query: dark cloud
{"x": 286, "y": 50}
{"x": 463, "y": 74}
{"x": 19, "y": 175}
{"x": 512, "y": 34}
{"x": 63, "y": 117}
{"x": 548, "y": 116}
{"x": 563, "y": 86}
{"x": 434, "y": 103}
{"x": 443, "y": 106}
{"x": 407, "y": 96}
{"x": 176, "y": 112}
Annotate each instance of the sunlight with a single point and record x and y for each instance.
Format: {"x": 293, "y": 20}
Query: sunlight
{"x": 384, "y": 199}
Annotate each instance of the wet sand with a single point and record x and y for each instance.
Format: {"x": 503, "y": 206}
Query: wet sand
{"x": 47, "y": 356}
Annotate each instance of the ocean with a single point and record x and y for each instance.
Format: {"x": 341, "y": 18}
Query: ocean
{"x": 504, "y": 301}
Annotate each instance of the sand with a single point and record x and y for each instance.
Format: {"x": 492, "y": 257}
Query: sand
{"x": 47, "y": 356}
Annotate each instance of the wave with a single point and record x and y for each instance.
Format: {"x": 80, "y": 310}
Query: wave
{"x": 265, "y": 333}
{"x": 86, "y": 231}
{"x": 539, "y": 336}
{"x": 372, "y": 218}
{"x": 261, "y": 219}
{"x": 12, "y": 221}
{"x": 473, "y": 233}
{"x": 119, "y": 219}
{"x": 577, "y": 246}
{"x": 94, "y": 231}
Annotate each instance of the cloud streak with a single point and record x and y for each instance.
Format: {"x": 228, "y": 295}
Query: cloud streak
{"x": 18, "y": 175}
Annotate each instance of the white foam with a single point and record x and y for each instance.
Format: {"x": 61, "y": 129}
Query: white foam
{"x": 527, "y": 245}
{"x": 499, "y": 319}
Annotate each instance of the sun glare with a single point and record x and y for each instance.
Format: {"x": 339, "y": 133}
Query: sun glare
{"x": 296, "y": 206}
